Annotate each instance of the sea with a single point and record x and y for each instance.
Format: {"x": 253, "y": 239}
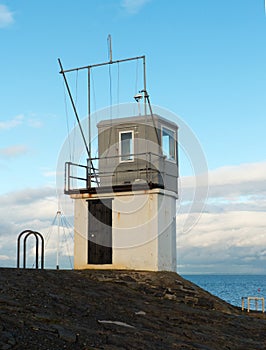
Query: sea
{"x": 232, "y": 288}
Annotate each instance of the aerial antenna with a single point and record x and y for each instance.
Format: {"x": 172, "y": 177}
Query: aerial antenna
{"x": 109, "y": 40}
{"x": 91, "y": 169}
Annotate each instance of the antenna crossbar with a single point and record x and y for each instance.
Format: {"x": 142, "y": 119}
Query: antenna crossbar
{"x": 101, "y": 64}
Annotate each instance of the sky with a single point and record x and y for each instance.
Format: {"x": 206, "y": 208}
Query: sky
{"x": 205, "y": 63}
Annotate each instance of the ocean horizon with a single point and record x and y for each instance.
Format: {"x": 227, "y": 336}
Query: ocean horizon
{"x": 231, "y": 288}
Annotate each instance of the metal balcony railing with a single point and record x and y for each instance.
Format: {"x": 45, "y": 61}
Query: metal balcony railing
{"x": 145, "y": 169}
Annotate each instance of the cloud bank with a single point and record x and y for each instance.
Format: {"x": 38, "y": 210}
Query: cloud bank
{"x": 13, "y": 151}
{"x": 229, "y": 237}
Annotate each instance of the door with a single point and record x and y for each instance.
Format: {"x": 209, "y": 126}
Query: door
{"x": 100, "y": 231}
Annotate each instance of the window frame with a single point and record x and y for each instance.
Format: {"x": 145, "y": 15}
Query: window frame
{"x": 175, "y": 144}
{"x": 120, "y": 147}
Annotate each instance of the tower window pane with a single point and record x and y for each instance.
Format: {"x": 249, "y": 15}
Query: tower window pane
{"x": 126, "y": 146}
{"x": 169, "y": 144}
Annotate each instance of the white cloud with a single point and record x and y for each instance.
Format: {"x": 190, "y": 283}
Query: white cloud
{"x": 238, "y": 228}
{"x": 133, "y": 6}
{"x": 31, "y": 209}
{"x": 231, "y": 242}
{"x": 26, "y": 207}
{"x": 18, "y": 120}
{"x": 230, "y": 235}
{"x": 12, "y": 123}
{"x": 6, "y": 16}
{"x": 230, "y": 182}
{"x": 238, "y": 174}
{"x": 13, "y": 151}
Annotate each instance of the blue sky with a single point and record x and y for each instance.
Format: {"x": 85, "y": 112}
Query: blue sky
{"x": 205, "y": 63}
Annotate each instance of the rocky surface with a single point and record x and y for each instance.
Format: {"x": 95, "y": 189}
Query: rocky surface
{"x": 49, "y": 309}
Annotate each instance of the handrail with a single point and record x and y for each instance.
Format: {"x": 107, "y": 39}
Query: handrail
{"x": 38, "y": 236}
{"x": 102, "y": 175}
{"x": 130, "y": 154}
{"x": 256, "y": 299}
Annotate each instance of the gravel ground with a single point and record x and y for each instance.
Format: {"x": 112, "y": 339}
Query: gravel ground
{"x": 101, "y": 309}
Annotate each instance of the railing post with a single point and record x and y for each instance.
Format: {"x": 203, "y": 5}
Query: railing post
{"x": 68, "y": 176}
{"x": 150, "y": 165}
{"x": 42, "y": 255}
{"x": 24, "y": 253}
{"x": 256, "y": 300}
{"x": 18, "y": 249}
{"x": 65, "y": 178}
{"x": 88, "y": 171}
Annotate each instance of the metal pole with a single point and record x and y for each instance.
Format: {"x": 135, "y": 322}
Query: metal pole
{"x": 68, "y": 177}
{"x": 77, "y": 117}
{"x": 58, "y": 237}
{"x": 89, "y": 125}
{"x": 73, "y": 105}
{"x": 42, "y": 253}
{"x": 102, "y": 64}
{"x": 146, "y": 96}
{"x": 18, "y": 251}
{"x": 24, "y": 251}
{"x": 144, "y": 84}
{"x": 110, "y": 48}
{"x": 37, "y": 251}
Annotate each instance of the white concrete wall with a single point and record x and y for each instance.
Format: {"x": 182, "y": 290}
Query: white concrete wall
{"x": 80, "y": 234}
{"x": 135, "y": 225}
{"x": 143, "y": 231}
{"x": 167, "y": 233}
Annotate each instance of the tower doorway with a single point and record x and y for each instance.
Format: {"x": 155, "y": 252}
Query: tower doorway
{"x": 100, "y": 231}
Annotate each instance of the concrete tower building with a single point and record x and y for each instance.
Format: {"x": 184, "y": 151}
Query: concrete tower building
{"x": 125, "y": 215}
{"x": 125, "y": 204}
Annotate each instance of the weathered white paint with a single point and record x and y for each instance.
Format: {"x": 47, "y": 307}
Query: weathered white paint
{"x": 143, "y": 230}
{"x": 80, "y": 233}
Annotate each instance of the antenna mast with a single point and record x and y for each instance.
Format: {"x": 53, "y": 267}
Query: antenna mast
{"x": 109, "y": 39}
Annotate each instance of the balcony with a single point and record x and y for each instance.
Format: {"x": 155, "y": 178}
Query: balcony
{"x": 109, "y": 174}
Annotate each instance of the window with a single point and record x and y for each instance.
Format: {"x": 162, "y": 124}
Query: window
{"x": 169, "y": 143}
{"x": 126, "y": 147}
